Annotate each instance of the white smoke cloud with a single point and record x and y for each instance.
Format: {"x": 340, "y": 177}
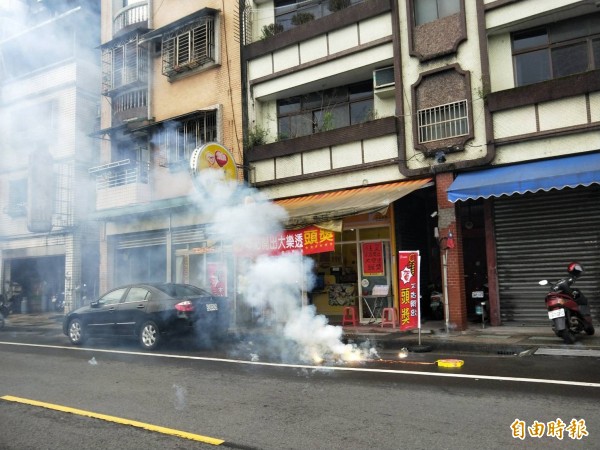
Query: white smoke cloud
{"x": 273, "y": 285}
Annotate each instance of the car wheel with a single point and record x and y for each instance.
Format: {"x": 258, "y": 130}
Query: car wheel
{"x": 149, "y": 335}
{"x": 76, "y": 332}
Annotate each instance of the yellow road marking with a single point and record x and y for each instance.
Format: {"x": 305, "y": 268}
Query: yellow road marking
{"x": 133, "y": 423}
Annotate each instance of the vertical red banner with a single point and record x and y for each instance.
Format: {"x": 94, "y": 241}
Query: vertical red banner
{"x": 408, "y": 283}
{"x": 372, "y": 259}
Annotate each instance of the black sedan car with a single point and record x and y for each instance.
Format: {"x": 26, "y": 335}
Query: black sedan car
{"x": 149, "y": 311}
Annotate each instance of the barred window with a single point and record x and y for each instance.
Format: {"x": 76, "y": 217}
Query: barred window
{"x": 177, "y": 140}
{"x": 189, "y": 47}
{"x": 123, "y": 63}
{"x": 442, "y": 122}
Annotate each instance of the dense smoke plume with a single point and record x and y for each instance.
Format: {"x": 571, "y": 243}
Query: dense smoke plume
{"x": 273, "y": 285}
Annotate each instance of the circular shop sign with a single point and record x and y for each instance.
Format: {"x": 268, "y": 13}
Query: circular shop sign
{"x": 213, "y": 156}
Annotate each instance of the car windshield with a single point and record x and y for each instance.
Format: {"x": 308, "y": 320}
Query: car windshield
{"x": 180, "y": 290}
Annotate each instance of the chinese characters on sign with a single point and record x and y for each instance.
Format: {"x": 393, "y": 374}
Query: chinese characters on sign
{"x": 372, "y": 259}
{"x": 555, "y": 428}
{"x": 307, "y": 240}
{"x": 408, "y": 281}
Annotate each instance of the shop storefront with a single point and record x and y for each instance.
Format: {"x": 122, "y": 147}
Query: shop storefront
{"x": 539, "y": 216}
{"x": 360, "y": 271}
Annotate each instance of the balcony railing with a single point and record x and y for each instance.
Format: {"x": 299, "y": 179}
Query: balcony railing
{"x": 290, "y": 16}
{"x": 131, "y": 15}
{"x": 120, "y": 173}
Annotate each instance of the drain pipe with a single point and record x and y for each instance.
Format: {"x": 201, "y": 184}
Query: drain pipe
{"x": 446, "y": 306}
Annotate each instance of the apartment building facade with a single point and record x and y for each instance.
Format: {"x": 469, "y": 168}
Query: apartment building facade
{"x": 48, "y": 107}
{"x": 170, "y": 94}
{"x": 382, "y": 121}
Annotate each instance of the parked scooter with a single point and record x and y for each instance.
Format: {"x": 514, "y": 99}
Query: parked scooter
{"x": 4, "y": 308}
{"x": 568, "y": 308}
{"x": 58, "y": 302}
{"x": 436, "y": 305}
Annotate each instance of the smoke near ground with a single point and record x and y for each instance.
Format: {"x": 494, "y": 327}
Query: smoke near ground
{"x": 287, "y": 329}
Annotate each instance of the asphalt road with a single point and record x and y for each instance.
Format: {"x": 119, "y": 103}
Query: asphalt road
{"x": 387, "y": 403}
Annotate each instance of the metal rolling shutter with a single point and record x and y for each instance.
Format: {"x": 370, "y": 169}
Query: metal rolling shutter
{"x": 142, "y": 240}
{"x": 537, "y": 235}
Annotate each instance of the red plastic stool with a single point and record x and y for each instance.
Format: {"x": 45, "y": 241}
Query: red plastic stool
{"x": 389, "y": 316}
{"x": 349, "y": 316}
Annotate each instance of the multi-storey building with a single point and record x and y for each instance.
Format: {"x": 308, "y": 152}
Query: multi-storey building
{"x": 170, "y": 87}
{"x": 444, "y": 126}
{"x": 49, "y": 89}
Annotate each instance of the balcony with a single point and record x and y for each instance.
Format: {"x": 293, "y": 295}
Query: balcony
{"x": 130, "y": 105}
{"x": 121, "y": 183}
{"x": 290, "y": 16}
{"x": 130, "y": 17}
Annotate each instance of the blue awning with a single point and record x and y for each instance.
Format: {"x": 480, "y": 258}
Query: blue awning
{"x": 573, "y": 171}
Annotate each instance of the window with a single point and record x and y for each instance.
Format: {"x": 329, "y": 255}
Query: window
{"x": 325, "y": 110}
{"x": 113, "y": 297}
{"x": 430, "y": 10}
{"x": 442, "y": 122}
{"x": 557, "y": 50}
{"x": 291, "y": 13}
{"x": 17, "y": 198}
{"x": 123, "y": 64}
{"x": 177, "y": 140}
{"x": 137, "y": 294}
{"x": 189, "y": 47}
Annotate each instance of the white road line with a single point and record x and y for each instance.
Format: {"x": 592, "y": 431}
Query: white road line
{"x": 317, "y": 368}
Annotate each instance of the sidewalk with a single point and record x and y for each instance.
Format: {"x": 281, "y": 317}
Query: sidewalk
{"x": 502, "y": 340}
{"x": 505, "y": 339}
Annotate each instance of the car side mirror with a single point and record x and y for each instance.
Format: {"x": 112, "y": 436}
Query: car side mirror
{"x": 95, "y": 304}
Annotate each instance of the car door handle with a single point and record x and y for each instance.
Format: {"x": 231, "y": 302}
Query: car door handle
{"x": 141, "y": 306}
{"x": 112, "y": 308}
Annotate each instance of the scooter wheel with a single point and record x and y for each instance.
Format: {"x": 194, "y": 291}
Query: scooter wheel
{"x": 589, "y": 330}
{"x": 567, "y": 336}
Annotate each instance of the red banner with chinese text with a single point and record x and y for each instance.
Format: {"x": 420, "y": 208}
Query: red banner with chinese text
{"x": 372, "y": 259}
{"x": 408, "y": 284}
{"x": 307, "y": 240}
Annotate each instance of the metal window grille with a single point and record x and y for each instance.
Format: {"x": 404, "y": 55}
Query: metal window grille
{"x": 178, "y": 140}
{"x": 442, "y": 122}
{"x": 123, "y": 64}
{"x": 188, "y": 48}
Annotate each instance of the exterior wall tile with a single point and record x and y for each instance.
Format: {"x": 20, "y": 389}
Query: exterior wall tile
{"x": 382, "y": 148}
{"x": 562, "y": 113}
{"x": 313, "y": 49}
{"x": 286, "y": 58}
{"x": 316, "y": 161}
{"x": 595, "y": 107}
{"x": 514, "y": 122}
{"x": 346, "y": 155}
{"x": 343, "y": 39}
{"x": 288, "y": 166}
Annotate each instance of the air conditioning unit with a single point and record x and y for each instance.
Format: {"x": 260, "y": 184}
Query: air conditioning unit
{"x": 383, "y": 78}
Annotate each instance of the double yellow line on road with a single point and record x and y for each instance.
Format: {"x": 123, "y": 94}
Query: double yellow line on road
{"x": 133, "y": 423}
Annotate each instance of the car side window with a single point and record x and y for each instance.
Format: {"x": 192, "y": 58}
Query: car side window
{"x": 137, "y": 295}
{"x": 112, "y": 298}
